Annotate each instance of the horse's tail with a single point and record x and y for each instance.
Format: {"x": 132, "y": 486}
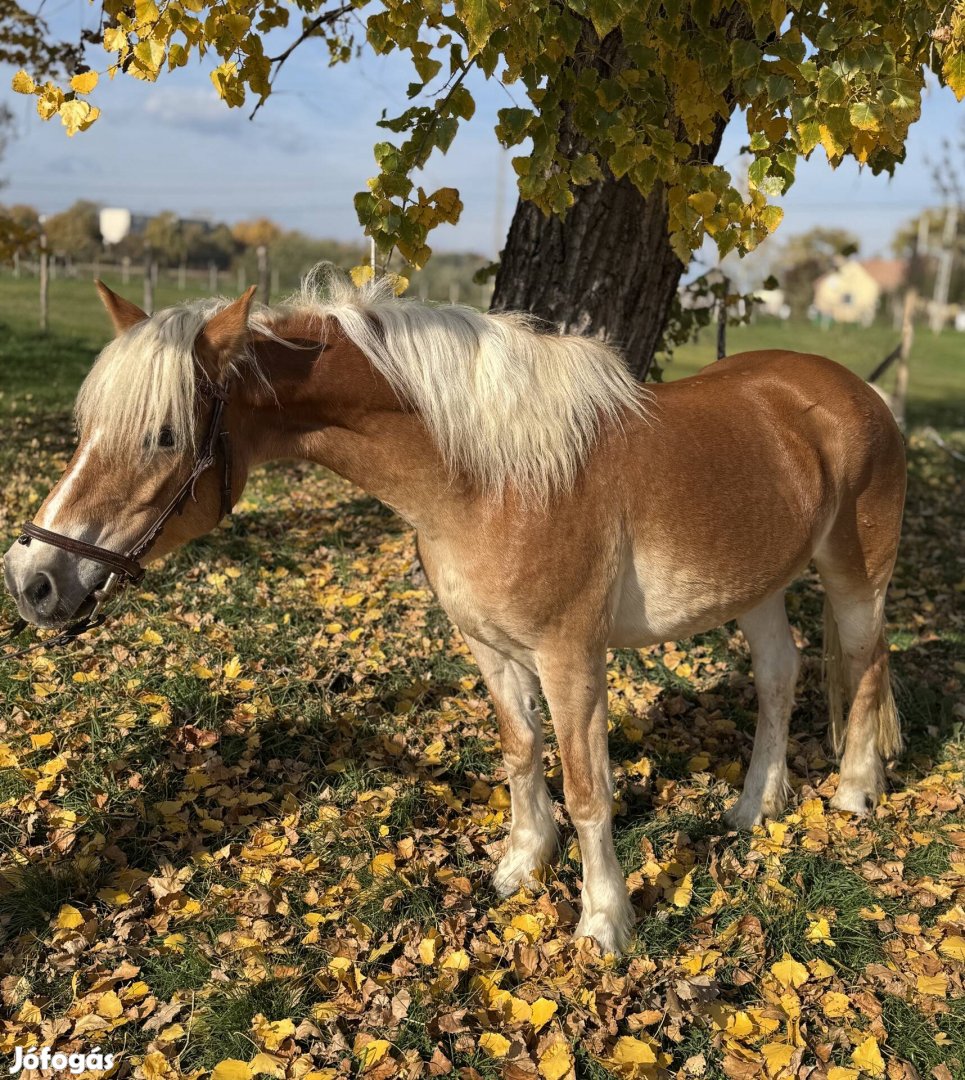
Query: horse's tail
{"x": 832, "y": 675}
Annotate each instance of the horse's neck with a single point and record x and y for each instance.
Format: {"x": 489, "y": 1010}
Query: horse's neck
{"x": 333, "y": 408}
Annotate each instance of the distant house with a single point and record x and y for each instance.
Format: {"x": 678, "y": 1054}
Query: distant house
{"x": 853, "y": 291}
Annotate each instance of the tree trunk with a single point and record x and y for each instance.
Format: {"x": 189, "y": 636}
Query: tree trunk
{"x": 607, "y": 269}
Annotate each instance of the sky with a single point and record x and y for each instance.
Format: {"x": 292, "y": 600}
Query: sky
{"x": 174, "y": 145}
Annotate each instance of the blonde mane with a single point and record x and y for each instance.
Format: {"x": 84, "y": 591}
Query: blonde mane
{"x": 507, "y": 404}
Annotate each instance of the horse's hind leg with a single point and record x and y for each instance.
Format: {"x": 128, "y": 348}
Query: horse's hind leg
{"x": 775, "y": 661}
{"x": 856, "y": 665}
{"x": 515, "y": 692}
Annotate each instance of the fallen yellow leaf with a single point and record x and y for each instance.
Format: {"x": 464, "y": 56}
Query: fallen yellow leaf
{"x": 867, "y": 1057}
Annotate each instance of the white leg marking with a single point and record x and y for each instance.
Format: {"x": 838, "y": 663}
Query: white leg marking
{"x": 532, "y": 836}
{"x": 577, "y": 698}
{"x": 862, "y": 778}
{"x": 776, "y": 662}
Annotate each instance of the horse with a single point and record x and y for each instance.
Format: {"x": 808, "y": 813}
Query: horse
{"x": 560, "y": 508}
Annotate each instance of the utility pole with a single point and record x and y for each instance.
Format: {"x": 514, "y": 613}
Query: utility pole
{"x": 148, "y": 279}
{"x": 264, "y": 275}
{"x": 943, "y": 279}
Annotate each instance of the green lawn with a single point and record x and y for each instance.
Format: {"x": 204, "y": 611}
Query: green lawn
{"x": 936, "y": 366}
{"x": 247, "y": 828}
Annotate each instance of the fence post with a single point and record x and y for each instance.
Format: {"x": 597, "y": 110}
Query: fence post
{"x": 182, "y": 274}
{"x": 148, "y": 280}
{"x": 264, "y": 278}
{"x": 722, "y": 319}
{"x": 44, "y": 282}
{"x": 16, "y": 264}
{"x": 907, "y": 337}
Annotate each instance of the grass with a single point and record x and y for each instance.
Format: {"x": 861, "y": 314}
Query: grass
{"x": 937, "y": 371}
{"x": 280, "y": 837}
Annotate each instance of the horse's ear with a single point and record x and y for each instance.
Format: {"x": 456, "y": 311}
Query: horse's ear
{"x": 123, "y": 313}
{"x": 224, "y": 336}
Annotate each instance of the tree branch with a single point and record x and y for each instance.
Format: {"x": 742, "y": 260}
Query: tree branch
{"x": 322, "y": 20}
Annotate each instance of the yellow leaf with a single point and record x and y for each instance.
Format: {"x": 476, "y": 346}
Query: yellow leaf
{"x": 835, "y": 1004}
{"x": 776, "y": 1056}
{"x": 457, "y": 961}
{"x": 372, "y": 1052}
{"x": 819, "y": 930}
{"x": 273, "y": 1032}
{"x": 867, "y": 1057}
{"x": 428, "y": 947}
{"x": 8, "y": 759}
{"x": 38, "y": 742}
{"x": 231, "y": 1069}
{"x": 789, "y": 972}
{"x": 383, "y": 864}
{"x": 155, "y": 1065}
{"x": 361, "y": 274}
{"x": 23, "y": 84}
{"x": 233, "y": 668}
{"x": 954, "y": 947}
{"x": 840, "y": 1072}
{"x": 266, "y": 1064}
{"x": 541, "y": 1012}
{"x": 933, "y": 985}
{"x": 494, "y": 1044}
{"x": 556, "y": 1062}
{"x": 109, "y": 1006}
{"x": 525, "y": 924}
{"x": 684, "y": 891}
{"x": 500, "y": 798}
{"x": 83, "y": 84}
{"x": 631, "y": 1053}
{"x": 69, "y": 918}
{"x": 151, "y": 637}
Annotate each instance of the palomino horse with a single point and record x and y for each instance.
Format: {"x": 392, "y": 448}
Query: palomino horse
{"x": 560, "y": 509}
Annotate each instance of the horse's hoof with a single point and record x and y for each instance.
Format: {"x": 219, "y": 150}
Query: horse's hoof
{"x": 854, "y": 799}
{"x": 609, "y": 929}
{"x": 516, "y": 870}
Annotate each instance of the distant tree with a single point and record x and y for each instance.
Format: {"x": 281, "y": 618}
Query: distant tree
{"x": 805, "y": 257}
{"x": 164, "y": 235}
{"x": 19, "y": 230}
{"x": 254, "y": 234}
{"x": 75, "y": 232}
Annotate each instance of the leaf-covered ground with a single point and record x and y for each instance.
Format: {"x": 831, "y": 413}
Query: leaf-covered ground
{"x": 248, "y": 827}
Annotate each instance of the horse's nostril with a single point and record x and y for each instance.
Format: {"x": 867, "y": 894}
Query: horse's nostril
{"x": 38, "y": 589}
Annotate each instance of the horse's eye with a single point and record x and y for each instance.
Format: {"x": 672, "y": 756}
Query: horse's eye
{"x": 165, "y": 437}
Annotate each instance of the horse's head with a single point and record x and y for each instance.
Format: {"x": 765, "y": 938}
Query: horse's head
{"x": 152, "y": 451}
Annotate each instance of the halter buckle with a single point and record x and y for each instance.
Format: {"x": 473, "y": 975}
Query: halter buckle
{"x": 104, "y": 593}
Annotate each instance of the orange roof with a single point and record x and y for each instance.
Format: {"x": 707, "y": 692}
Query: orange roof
{"x": 890, "y": 274}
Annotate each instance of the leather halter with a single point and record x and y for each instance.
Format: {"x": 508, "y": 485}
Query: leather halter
{"x": 125, "y": 566}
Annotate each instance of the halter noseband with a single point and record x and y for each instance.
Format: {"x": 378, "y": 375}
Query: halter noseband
{"x": 125, "y": 566}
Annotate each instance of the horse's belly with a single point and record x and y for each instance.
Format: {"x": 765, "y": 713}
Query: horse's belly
{"x": 657, "y": 600}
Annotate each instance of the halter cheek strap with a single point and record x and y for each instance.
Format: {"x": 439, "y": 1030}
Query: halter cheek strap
{"x": 125, "y": 566}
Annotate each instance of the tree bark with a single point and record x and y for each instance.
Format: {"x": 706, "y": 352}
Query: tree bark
{"x": 607, "y": 269}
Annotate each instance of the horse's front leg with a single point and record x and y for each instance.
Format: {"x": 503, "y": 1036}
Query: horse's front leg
{"x": 574, "y": 682}
{"x": 532, "y": 836}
